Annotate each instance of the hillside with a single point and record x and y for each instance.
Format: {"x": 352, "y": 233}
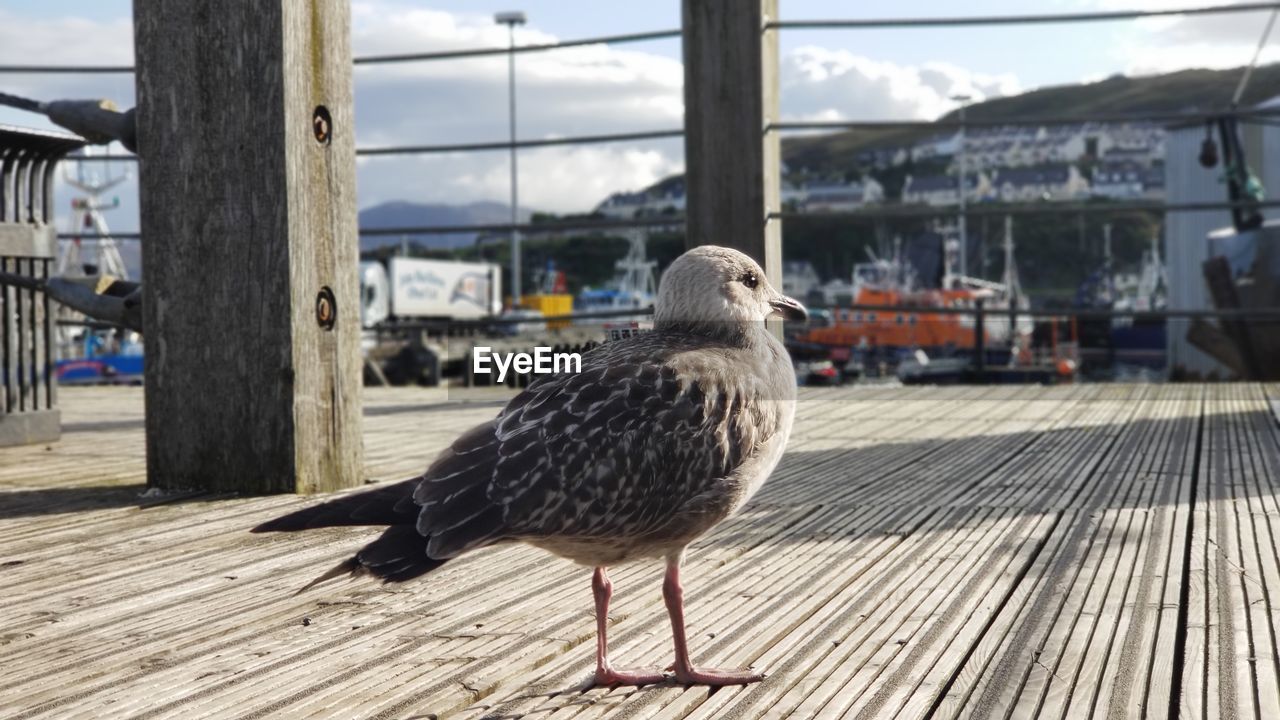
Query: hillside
{"x": 401, "y": 213}
{"x": 1184, "y": 91}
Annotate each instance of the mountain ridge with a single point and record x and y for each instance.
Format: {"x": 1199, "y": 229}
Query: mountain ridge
{"x": 1193, "y": 90}
{"x": 407, "y": 213}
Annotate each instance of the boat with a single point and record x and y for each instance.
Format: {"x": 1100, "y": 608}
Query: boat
{"x": 633, "y": 287}
{"x": 88, "y": 354}
{"x": 1124, "y": 346}
{"x": 1141, "y": 343}
{"x": 889, "y": 335}
{"x": 112, "y": 357}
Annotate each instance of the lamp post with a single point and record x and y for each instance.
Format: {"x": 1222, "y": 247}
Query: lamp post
{"x": 511, "y": 20}
{"x": 964, "y": 235}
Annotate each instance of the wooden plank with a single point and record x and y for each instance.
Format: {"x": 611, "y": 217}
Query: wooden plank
{"x": 1235, "y": 588}
{"x": 248, "y": 388}
{"x": 976, "y": 525}
{"x": 878, "y": 583}
{"x": 920, "y": 694}
{"x": 732, "y": 164}
{"x": 816, "y": 636}
{"x": 1016, "y": 651}
{"x": 1258, "y": 559}
{"x": 1141, "y": 676}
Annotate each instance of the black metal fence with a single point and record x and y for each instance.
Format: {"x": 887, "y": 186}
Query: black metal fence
{"x": 28, "y": 386}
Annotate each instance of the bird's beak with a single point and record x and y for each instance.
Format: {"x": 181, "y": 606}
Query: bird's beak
{"x": 789, "y": 308}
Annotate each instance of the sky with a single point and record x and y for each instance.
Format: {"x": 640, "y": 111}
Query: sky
{"x": 877, "y": 74}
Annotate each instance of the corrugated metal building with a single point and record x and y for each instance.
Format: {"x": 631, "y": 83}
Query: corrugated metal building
{"x": 1186, "y": 243}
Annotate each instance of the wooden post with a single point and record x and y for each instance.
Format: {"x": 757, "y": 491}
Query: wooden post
{"x": 245, "y": 130}
{"x": 732, "y": 163}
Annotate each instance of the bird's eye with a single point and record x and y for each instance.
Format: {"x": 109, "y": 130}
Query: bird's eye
{"x": 750, "y": 280}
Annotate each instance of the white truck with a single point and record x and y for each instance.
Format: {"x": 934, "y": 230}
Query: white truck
{"x": 417, "y": 289}
{"x": 408, "y": 291}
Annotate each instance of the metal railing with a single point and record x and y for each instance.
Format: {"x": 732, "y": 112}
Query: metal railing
{"x": 28, "y": 384}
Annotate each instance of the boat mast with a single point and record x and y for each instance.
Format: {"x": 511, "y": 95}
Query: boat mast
{"x": 88, "y": 215}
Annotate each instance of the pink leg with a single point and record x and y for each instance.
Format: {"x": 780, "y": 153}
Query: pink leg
{"x": 605, "y": 673}
{"x": 686, "y": 673}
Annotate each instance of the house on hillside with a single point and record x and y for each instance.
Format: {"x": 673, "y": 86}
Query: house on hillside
{"x": 1043, "y": 182}
{"x": 1140, "y": 142}
{"x": 1153, "y": 182}
{"x": 838, "y": 196}
{"x": 623, "y": 205}
{"x": 627, "y": 205}
{"x": 881, "y": 158}
{"x": 936, "y": 146}
{"x": 1118, "y": 180}
{"x": 1128, "y": 180}
{"x": 942, "y": 189}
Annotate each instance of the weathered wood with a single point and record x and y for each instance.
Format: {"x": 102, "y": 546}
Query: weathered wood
{"x": 922, "y": 552}
{"x": 730, "y": 97}
{"x": 250, "y": 211}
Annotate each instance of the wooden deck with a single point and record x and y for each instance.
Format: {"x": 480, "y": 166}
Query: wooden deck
{"x": 1067, "y": 552}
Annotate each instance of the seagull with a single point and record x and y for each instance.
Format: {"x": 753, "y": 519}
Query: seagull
{"x": 657, "y": 439}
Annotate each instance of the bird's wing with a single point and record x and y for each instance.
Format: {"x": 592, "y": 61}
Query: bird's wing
{"x": 615, "y": 450}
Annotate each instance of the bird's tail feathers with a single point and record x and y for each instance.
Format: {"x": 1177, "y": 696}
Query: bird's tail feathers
{"x": 399, "y": 554}
{"x": 386, "y": 505}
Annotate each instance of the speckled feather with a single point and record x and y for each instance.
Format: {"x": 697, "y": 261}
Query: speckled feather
{"x": 638, "y": 449}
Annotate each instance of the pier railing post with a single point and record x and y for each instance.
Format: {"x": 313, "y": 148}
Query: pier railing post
{"x": 730, "y": 97}
{"x": 247, "y": 146}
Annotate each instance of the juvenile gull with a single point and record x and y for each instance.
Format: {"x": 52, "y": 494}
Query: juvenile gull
{"x": 659, "y": 438}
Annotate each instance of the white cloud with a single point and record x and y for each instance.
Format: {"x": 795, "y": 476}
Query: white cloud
{"x": 818, "y": 83}
{"x": 28, "y": 40}
{"x": 570, "y": 179}
{"x": 1170, "y": 43}
{"x": 576, "y": 91}
{"x": 586, "y": 90}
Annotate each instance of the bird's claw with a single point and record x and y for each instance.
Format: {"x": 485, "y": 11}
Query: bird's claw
{"x": 609, "y": 677}
{"x": 714, "y": 677}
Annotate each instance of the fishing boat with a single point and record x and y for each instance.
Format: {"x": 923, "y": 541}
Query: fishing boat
{"x": 633, "y": 287}
{"x": 1124, "y": 346}
{"x": 891, "y": 334}
{"x": 1142, "y": 342}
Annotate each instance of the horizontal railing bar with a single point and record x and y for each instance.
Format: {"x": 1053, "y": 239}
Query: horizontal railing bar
{"x": 1030, "y": 121}
{"x": 1092, "y": 313}
{"x": 846, "y": 24}
{"x": 465, "y": 147}
{"x": 606, "y": 224}
{"x": 1038, "y": 208}
{"x": 393, "y": 58}
{"x": 1158, "y": 118}
{"x": 1032, "y": 19}
{"x": 879, "y": 212}
{"x": 519, "y": 144}
{"x": 905, "y": 310}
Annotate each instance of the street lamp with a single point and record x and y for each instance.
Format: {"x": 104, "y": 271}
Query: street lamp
{"x": 511, "y": 20}
{"x": 964, "y": 236}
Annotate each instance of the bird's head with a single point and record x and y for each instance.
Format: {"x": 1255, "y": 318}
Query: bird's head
{"x": 710, "y": 285}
